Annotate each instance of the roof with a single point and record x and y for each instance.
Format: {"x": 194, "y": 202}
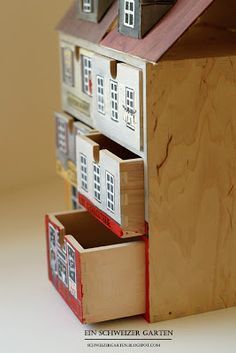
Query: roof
{"x": 163, "y": 35}
{"x": 213, "y": 35}
{"x": 90, "y": 31}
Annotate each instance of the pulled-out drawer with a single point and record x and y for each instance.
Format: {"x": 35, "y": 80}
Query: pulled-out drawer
{"x": 111, "y": 178}
{"x": 100, "y": 276}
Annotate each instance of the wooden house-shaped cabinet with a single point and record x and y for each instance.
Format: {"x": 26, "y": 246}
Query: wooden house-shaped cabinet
{"x": 156, "y": 173}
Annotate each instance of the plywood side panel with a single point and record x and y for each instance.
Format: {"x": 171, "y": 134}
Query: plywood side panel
{"x": 132, "y": 197}
{"x": 113, "y": 282}
{"x": 192, "y": 181}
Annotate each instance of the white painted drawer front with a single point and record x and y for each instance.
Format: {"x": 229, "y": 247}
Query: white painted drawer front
{"x": 118, "y": 87}
{"x": 76, "y": 81}
{"x": 112, "y": 178}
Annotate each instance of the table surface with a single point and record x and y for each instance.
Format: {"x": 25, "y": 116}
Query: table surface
{"x": 34, "y": 318}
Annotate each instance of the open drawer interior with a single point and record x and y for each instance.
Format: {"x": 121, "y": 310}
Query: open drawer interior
{"x": 88, "y": 231}
{"x": 107, "y": 144}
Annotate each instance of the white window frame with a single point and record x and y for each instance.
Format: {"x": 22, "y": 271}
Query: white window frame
{"x": 87, "y": 74}
{"x": 129, "y": 13}
{"x": 84, "y": 172}
{"x": 68, "y": 66}
{"x": 62, "y": 138}
{"x": 97, "y": 182}
{"x": 63, "y": 264}
{"x": 110, "y": 192}
{"x": 130, "y": 107}
{"x": 100, "y": 95}
{"x": 52, "y": 234}
{"x": 114, "y": 100}
{"x": 71, "y": 263}
{"x": 74, "y": 198}
{"x": 53, "y": 239}
{"x": 87, "y": 6}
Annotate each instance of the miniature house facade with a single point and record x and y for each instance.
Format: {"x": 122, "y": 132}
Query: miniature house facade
{"x": 117, "y": 103}
{"x": 76, "y": 67}
{"x": 66, "y": 130}
{"x": 163, "y": 107}
{"x": 112, "y": 178}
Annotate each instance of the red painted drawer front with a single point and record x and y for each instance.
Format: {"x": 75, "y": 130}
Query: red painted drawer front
{"x": 64, "y": 268}
{"x": 100, "y": 276}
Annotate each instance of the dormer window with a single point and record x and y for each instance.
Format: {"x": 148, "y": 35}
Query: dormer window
{"x": 137, "y": 17}
{"x": 87, "y": 6}
{"x": 129, "y": 13}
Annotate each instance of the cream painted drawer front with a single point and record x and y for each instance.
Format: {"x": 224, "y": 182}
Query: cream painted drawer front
{"x": 112, "y": 178}
{"x": 118, "y": 102}
{"x": 66, "y": 129}
{"x": 100, "y": 276}
{"x": 76, "y": 81}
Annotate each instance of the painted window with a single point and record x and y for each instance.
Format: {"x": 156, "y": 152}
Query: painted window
{"x": 110, "y": 191}
{"x": 62, "y": 270}
{"x": 129, "y": 13}
{"x": 100, "y": 94}
{"x": 74, "y": 198}
{"x": 62, "y": 142}
{"x": 72, "y": 271}
{"x": 53, "y": 248}
{"x": 97, "y": 182}
{"x": 114, "y": 100}
{"x": 87, "y": 74}
{"x": 130, "y": 111}
{"x": 53, "y": 236}
{"x": 84, "y": 172}
{"x": 68, "y": 66}
{"x": 87, "y": 6}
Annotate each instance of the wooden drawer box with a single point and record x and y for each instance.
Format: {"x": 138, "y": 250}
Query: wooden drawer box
{"x": 112, "y": 179}
{"x": 100, "y": 276}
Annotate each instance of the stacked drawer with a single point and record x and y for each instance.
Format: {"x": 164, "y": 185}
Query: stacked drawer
{"x": 111, "y": 180}
{"x": 100, "y": 276}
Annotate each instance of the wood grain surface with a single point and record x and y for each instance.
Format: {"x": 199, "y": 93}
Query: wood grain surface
{"x": 192, "y": 181}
